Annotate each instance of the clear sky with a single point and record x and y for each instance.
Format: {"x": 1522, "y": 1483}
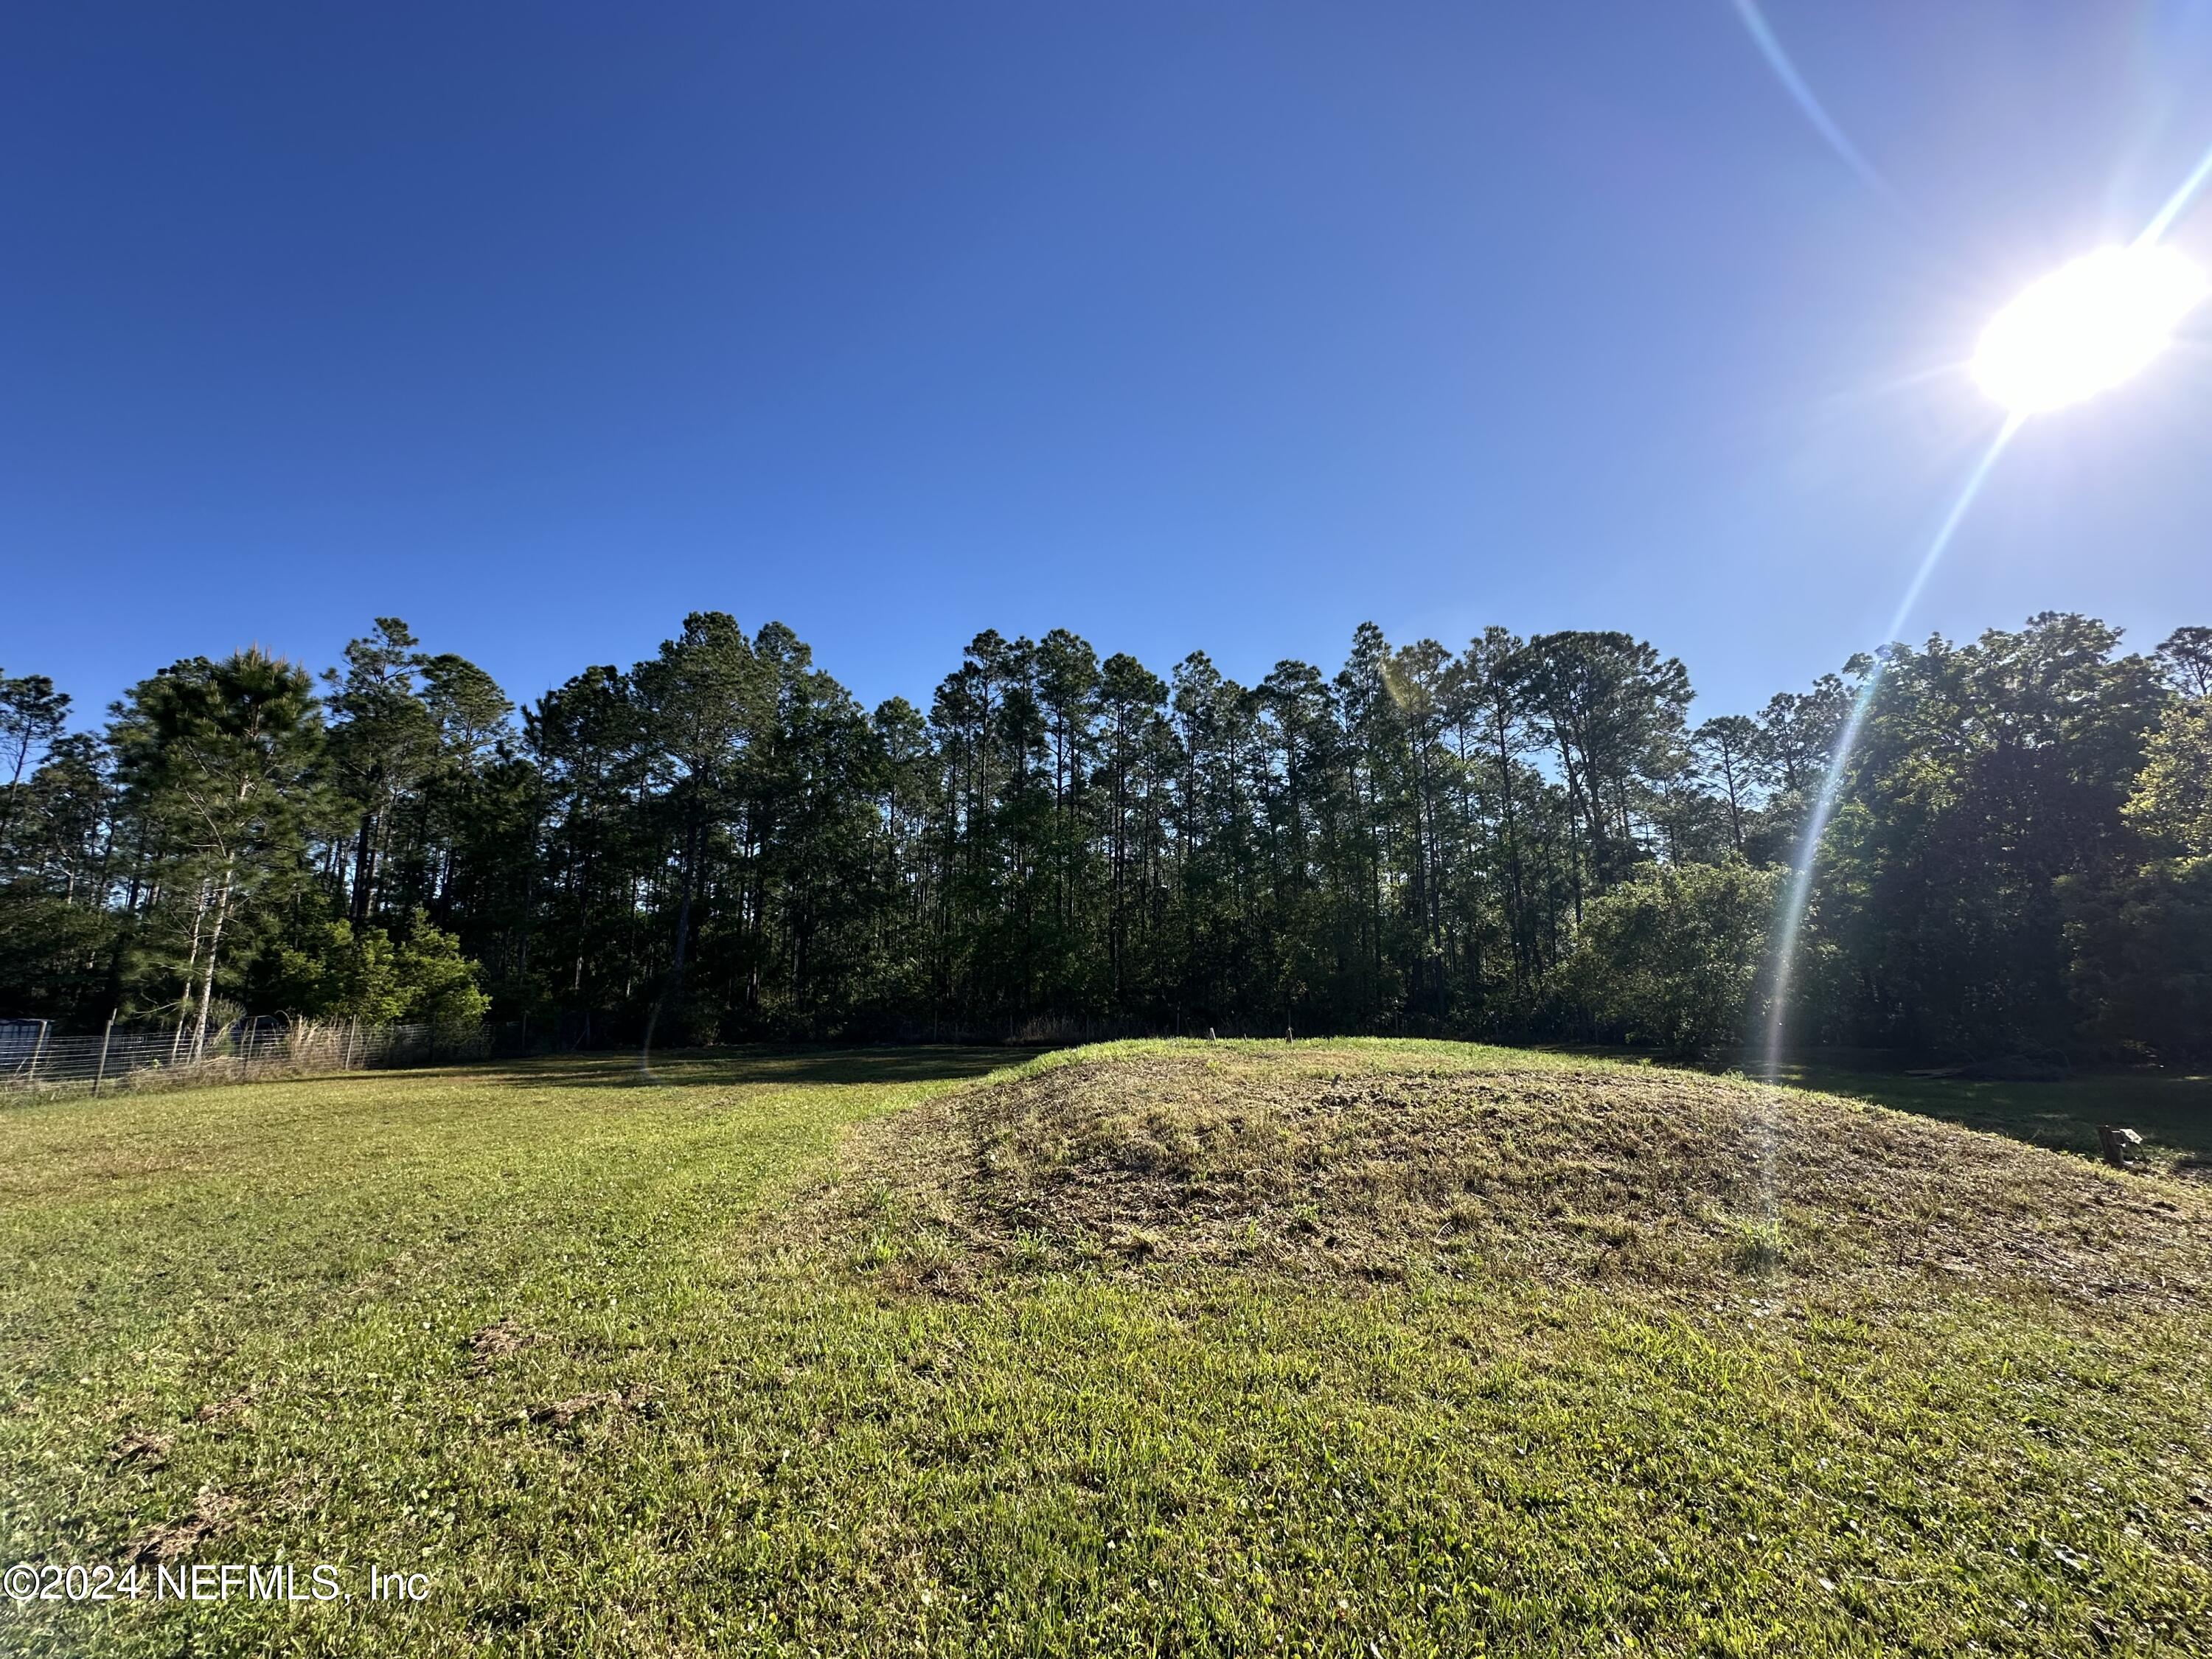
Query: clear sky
{"x": 1182, "y": 325}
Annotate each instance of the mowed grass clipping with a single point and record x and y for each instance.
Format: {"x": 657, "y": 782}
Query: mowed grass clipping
{"x": 1177, "y": 1348}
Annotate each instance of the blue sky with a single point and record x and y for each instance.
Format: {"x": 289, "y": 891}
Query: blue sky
{"x": 1186, "y": 326}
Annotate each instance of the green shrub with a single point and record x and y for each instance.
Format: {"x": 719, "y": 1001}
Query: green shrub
{"x": 1672, "y": 958}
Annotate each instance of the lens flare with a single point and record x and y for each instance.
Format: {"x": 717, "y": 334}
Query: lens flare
{"x": 1797, "y": 896}
{"x": 2087, "y": 326}
{"x": 1762, "y": 36}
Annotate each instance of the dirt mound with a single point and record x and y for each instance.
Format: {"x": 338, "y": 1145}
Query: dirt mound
{"x": 1322, "y": 1161}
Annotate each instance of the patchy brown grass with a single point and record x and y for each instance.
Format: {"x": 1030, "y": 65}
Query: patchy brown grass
{"x": 229, "y": 1406}
{"x": 148, "y": 1450}
{"x": 495, "y": 1341}
{"x": 1321, "y": 1163}
{"x": 211, "y": 1514}
{"x": 564, "y": 1414}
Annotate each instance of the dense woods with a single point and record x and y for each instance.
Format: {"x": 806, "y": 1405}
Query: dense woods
{"x": 1527, "y": 836}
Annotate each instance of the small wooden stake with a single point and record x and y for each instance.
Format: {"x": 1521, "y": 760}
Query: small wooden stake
{"x": 106, "y": 1034}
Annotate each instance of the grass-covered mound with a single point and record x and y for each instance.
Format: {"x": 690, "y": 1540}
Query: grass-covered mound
{"x": 1376, "y": 1161}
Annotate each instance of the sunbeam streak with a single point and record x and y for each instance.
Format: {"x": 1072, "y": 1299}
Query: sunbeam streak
{"x": 2177, "y": 203}
{"x": 1800, "y": 892}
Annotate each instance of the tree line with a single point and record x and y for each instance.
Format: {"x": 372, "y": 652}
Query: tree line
{"x": 1528, "y": 837}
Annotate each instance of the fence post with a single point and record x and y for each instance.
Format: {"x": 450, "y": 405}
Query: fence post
{"x": 38, "y": 1049}
{"x": 99, "y": 1075}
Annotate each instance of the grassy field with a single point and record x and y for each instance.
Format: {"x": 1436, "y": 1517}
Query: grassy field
{"x": 1344, "y": 1348}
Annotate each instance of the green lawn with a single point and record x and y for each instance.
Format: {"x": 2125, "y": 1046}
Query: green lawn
{"x": 583, "y": 1351}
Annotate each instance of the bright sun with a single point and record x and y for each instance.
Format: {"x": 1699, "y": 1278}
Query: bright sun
{"x": 2086, "y": 327}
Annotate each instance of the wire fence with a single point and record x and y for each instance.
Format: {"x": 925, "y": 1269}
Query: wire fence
{"x": 33, "y": 1060}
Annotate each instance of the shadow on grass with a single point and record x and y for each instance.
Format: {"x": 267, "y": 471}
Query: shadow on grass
{"x": 756, "y": 1064}
{"x": 2169, "y": 1111}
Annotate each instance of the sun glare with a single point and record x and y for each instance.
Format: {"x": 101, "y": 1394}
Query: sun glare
{"x": 2086, "y": 327}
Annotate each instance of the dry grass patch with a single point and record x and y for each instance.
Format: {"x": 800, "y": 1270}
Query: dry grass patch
{"x": 211, "y": 1514}
{"x": 495, "y": 1341}
{"x": 564, "y": 1414}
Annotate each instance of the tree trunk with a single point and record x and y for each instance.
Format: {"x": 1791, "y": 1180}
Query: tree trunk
{"x": 364, "y": 865}
{"x": 192, "y": 966}
{"x": 214, "y": 946}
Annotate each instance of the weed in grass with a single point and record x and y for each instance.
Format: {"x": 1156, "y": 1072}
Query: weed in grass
{"x": 1761, "y": 1247}
{"x": 1028, "y": 1252}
